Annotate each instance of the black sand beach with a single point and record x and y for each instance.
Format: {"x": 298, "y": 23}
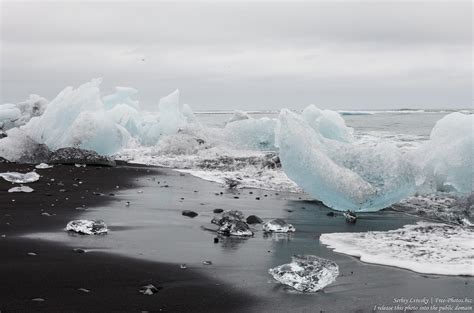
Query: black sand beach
{"x": 56, "y": 272}
{"x": 149, "y": 239}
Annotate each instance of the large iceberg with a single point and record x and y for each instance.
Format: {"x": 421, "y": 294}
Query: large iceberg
{"x": 76, "y": 118}
{"x": 344, "y": 176}
{"x": 447, "y": 159}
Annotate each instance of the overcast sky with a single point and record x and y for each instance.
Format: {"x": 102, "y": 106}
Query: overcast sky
{"x": 226, "y": 55}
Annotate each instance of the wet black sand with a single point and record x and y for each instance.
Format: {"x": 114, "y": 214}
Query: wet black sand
{"x": 56, "y": 273}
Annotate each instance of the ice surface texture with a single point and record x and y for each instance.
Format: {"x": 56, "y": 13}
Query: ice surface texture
{"x": 19, "y": 178}
{"x": 307, "y": 273}
{"x": 278, "y": 226}
{"x": 344, "y": 176}
{"x": 429, "y": 248}
{"x": 447, "y": 159}
{"x": 14, "y": 115}
{"x": 76, "y": 118}
{"x": 87, "y": 227}
{"x": 327, "y": 123}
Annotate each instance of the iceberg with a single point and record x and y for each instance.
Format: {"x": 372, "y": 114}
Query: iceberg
{"x": 19, "y": 147}
{"x": 20, "y": 178}
{"x": 327, "y": 123}
{"x": 306, "y": 273}
{"x": 251, "y": 133}
{"x": 447, "y": 159}
{"x": 9, "y": 113}
{"x": 15, "y": 115}
{"x": 344, "y": 176}
{"x": 429, "y": 248}
{"x": 76, "y": 118}
{"x": 122, "y": 96}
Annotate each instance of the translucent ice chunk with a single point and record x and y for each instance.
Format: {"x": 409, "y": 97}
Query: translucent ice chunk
{"x": 87, "y": 227}
{"x": 238, "y": 116}
{"x": 251, "y": 133}
{"x": 122, "y": 96}
{"x": 19, "y": 178}
{"x": 345, "y": 176}
{"x": 278, "y": 226}
{"x": 75, "y": 118}
{"x": 306, "y": 273}
{"x": 447, "y": 159}
{"x": 429, "y": 248}
{"x": 327, "y": 123}
{"x": 9, "y": 113}
{"x": 43, "y": 166}
{"x": 21, "y": 189}
{"x": 235, "y": 228}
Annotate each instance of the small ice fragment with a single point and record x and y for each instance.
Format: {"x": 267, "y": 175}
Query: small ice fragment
{"x": 79, "y": 250}
{"x": 350, "y": 216}
{"x": 31, "y": 253}
{"x": 45, "y": 214}
{"x": 306, "y": 273}
{"x": 79, "y": 165}
{"x": 87, "y": 227}
{"x": 42, "y": 166}
{"x": 84, "y": 290}
{"x": 231, "y": 183}
{"x": 183, "y": 266}
{"x": 19, "y": 178}
{"x": 278, "y": 226}
{"x": 38, "y": 299}
{"x": 207, "y": 262}
{"x": 149, "y": 290}
{"x": 235, "y": 228}
{"x": 21, "y": 189}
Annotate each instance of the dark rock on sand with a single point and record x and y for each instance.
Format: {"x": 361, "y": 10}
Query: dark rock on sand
{"x": 80, "y": 156}
{"x": 253, "y": 219}
{"x": 331, "y": 214}
{"x": 3, "y": 160}
{"x": 217, "y": 211}
{"x": 189, "y": 213}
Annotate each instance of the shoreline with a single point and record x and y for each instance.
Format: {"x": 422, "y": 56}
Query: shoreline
{"x": 150, "y": 239}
